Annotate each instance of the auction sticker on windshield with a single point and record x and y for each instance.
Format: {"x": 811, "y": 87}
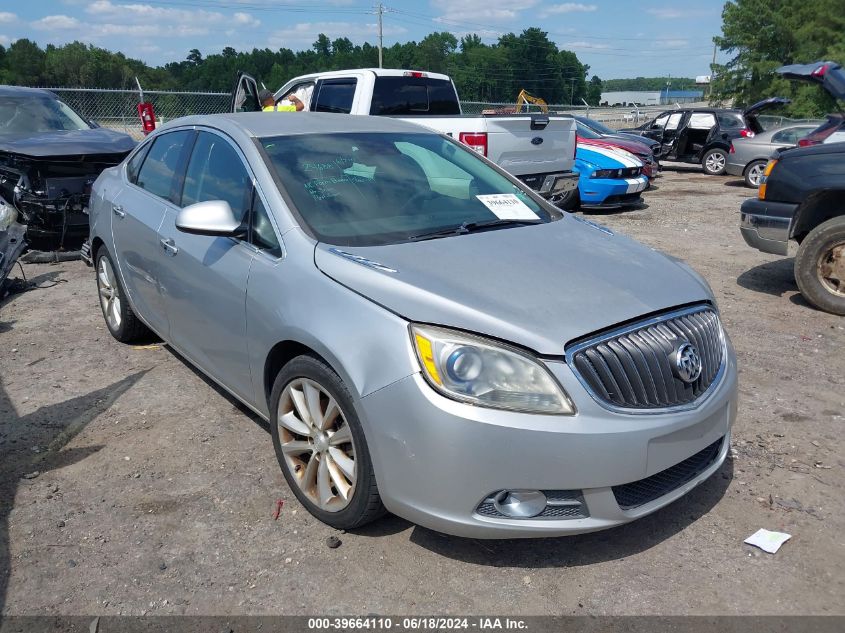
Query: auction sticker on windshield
{"x": 507, "y": 206}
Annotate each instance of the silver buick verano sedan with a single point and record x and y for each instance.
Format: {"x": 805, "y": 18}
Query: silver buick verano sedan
{"x": 424, "y": 334}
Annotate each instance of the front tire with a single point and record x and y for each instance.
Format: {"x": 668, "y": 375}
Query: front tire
{"x": 570, "y": 201}
{"x": 120, "y": 319}
{"x": 753, "y": 173}
{"x": 820, "y": 266}
{"x": 715, "y": 162}
{"x": 320, "y": 445}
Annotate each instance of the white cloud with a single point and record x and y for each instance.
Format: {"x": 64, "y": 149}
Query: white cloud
{"x": 56, "y": 23}
{"x": 245, "y": 19}
{"x": 4, "y": 40}
{"x": 6, "y": 17}
{"x": 568, "y": 7}
{"x": 304, "y": 34}
{"x": 675, "y": 13}
{"x": 584, "y": 46}
{"x": 111, "y": 12}
{"x": 670, "y": 43}
{"x": 474, "y": 11}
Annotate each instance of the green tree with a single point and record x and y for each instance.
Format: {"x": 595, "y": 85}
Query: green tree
{"x": 594, "y": 91}
{"x": 762, "y": 35}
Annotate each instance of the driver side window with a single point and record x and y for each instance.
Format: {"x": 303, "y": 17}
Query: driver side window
{"x": 660, "y": 122}
{"x": 216, "y": 172}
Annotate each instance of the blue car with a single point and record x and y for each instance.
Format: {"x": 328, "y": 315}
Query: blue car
{"x": 608, "y": 178}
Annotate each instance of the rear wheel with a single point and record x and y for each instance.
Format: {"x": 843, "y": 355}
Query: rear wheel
{"x": 754, "y": 172}
{"x": 714, "y": 162}
{"x": 820, "y": 266}
{"x": 120, "y": 319}
{"x": 320, "y": 445}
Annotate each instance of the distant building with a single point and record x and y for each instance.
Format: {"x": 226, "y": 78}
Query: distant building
{"x": 650, "y": 97}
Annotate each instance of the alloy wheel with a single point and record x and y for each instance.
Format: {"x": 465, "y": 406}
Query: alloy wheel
{"x": 715, "y": 162}
{"x": 831, "y": 269}
{"x": 317, "y": 444}
{"x": 755, "y": 173}
{"x": 109, "y": 295}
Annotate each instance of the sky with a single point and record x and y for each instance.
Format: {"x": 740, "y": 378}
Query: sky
{"x": 617, "y": 38}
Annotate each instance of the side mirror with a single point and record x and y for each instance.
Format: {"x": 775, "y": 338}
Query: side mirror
{"x": 213, "y": 218}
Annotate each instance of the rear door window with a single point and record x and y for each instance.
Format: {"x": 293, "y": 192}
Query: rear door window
{"x": 159, "y": 170}
{"x": 335, "y": 95}
{"x": 414, "y": 95}
{"x": 216, "y": 172}
{"x": 702, "y": 120}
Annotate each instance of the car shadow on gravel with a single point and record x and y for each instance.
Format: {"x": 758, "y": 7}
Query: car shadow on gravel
{"x": 48, "y": 429}
{"x": 585, "y": 549}
{"x": 773, "y": 278}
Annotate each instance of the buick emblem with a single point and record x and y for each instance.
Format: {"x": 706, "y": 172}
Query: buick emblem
{"x": 687, "y": 363}
{"x": 537, "y": 140}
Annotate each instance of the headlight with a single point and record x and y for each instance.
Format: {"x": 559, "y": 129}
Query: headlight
{"x": 607, "y": 173}
{"x": 485, "y": 373}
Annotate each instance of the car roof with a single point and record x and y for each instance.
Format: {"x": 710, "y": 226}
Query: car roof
{"x": 264, "y": 124}
{"x": 21, "y": 91}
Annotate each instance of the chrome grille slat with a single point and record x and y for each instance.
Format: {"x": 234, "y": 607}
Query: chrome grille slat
{"x": 631, "y": 368}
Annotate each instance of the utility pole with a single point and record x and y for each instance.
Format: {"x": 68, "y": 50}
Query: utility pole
{"x": 380, "y": 11}
{"x": 712, "y": 74}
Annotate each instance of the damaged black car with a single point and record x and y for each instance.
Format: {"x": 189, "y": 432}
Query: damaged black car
{"x": 49, "y": 158}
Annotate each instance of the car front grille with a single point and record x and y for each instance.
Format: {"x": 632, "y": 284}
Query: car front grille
{"x": 638, "y": 368}
{"x": 638, "y": 493}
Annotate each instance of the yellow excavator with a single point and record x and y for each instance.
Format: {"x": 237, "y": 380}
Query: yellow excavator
{"x": 526, "y": 99}
{"x": 522, "y": 99}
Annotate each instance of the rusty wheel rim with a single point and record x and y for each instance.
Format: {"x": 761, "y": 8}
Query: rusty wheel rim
{"x": 831, "y": 269}
{"x": 317, "y": 444}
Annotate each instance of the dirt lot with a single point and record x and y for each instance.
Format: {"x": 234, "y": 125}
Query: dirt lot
{"x": 131, "y": 485}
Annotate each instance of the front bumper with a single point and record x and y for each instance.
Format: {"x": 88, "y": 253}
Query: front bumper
{"x": 611, "y": 193}
{"x": 438, "y": 460}
{"x": 765, "y": 225}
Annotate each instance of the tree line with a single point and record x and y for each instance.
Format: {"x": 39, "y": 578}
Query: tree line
{"x": 482, "y": 72}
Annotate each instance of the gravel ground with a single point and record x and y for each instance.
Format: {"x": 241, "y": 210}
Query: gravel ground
{"x": 130, "y": 485}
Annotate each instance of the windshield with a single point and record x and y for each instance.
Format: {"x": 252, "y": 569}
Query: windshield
{"x": 585, "y": 132}
{"x": 380, "y": 188}
{"x": 27, "y": 114}
{"x": 599, "y": 127}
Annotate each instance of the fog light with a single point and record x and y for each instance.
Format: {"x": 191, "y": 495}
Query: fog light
{"x": 520, "y": 504}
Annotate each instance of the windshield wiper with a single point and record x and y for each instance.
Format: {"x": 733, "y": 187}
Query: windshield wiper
{"x": 469, "y": 227}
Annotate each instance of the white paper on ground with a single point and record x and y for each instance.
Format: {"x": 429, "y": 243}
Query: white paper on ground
{"x": 768, "y": 541}
{"x": 507, "y": 206}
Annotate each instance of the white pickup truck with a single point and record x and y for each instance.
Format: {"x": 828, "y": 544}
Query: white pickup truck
{"x": 536, "y": 148}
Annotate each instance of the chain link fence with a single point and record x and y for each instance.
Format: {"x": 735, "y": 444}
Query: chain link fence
{"x": 117, "y": 109}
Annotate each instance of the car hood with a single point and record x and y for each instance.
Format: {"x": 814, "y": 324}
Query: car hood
{"x": 67, "y": 143}
{"x": 639, "y": 149}
{"x": 538, "y": 286}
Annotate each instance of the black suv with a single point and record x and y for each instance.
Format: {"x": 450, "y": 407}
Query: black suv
{"x": 703, "y": 135}
{"x": 802, "y": 198}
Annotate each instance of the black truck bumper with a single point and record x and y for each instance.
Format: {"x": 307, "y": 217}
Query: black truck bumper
{"x": 765, "y": 225}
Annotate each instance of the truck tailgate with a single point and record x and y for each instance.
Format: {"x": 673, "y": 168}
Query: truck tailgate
{"x": 521, "y": 150}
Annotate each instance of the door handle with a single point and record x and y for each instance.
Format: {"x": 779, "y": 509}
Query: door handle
{"x": 118, "y": 211}
{"x": 169, "y": 245}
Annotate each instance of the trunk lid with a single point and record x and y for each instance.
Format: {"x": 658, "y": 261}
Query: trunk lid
{"x": 830, "y": 75}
